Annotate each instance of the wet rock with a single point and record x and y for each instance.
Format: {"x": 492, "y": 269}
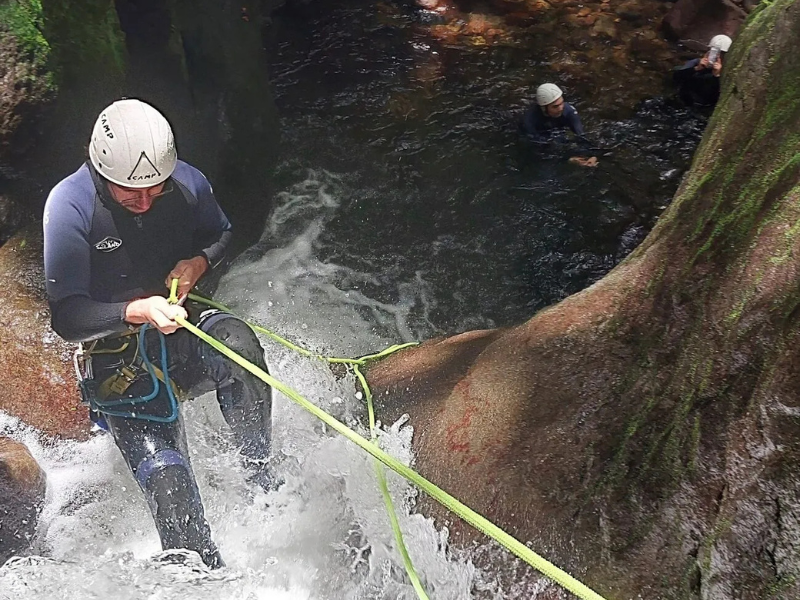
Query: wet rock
{"x": 479, "y": 24}
{"x": 11, "y": 215}
{"x": 35, "y": 364}
{"x": 605, "y": 27}
{"x": 22, "y": 490}
{"x": 643, "y": 46}
{"x": 703, "y": 19}
{"x": 520, "y": 19}
{"x": 25, "y": 86}
{"x": 630, "y": 11}
{"x": 538, "y": 5}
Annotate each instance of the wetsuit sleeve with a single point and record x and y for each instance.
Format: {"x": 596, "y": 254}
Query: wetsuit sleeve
{"x": 685, "y": 72}
{"x": 81, "y": 319}
{"x": 574, "y": 121}
{"x": 213, "y": 228}
{"x": 74, "y": 315}
{"x": 689, "y": 65}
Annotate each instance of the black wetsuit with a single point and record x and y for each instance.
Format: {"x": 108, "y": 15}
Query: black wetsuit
{"x": 541, "y": 128}
{"x": 100, "y": 256}
{"x": 696, "y": 87}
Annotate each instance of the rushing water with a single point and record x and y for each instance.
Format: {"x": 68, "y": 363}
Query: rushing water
{"x": 407, "y": 207}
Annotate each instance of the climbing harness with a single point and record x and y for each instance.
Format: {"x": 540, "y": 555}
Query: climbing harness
{"x": 371, "y": 447}
{"x": 96, "y": 394}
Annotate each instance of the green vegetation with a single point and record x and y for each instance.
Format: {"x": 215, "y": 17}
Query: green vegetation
{"x": 86, "y": 38}
{"x": 23, "y": 19}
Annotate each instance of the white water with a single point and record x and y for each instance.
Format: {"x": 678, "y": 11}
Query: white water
{"x": 324, "y": 534}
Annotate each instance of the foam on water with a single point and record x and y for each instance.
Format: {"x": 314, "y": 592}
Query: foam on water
{"x": 322, "y": 304}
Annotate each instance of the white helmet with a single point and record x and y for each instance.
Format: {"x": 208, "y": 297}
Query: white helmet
{"x": 722, "y": 42}
{"x": 547, "y": 93}
{"x": 132, "y": 145}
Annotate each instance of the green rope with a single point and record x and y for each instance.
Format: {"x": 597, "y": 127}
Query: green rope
{"x": 387, "y": 499}
{"x": 463, "y": 511}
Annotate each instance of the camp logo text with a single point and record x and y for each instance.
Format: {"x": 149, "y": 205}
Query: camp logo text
{"x": 106, "y": 127}
{"x": 144, "y": 169}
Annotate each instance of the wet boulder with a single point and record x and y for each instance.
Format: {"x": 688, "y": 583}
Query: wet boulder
{"x": 35, "y": 364}
{"x": 22, "y": 490}
{"x": 700, "y": 20}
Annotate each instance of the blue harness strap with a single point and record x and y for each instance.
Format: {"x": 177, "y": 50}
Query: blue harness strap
{"x": 105, "y": 406}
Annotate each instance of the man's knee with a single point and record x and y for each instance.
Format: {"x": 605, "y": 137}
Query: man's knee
{"x": 236, "y": 334}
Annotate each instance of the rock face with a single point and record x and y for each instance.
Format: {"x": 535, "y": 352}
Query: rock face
{"x": 25, "y": 82}
{"x": 645, "y": 433}
{"x": 700, "y": 20}
{"x": 35, "y": 365}
{"x": 22, "y": 489}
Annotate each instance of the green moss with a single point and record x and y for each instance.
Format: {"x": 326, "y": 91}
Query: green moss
{"x": 657, "y": 277}
{"x": 86, "y": 38}
{"x": 780, "y": 586}
{"x": 704, "y": 554}
{"x": 23, "y": 19}
{"x": 738, "y": 223}
{"x": 618, "y": 466}
{"x": 694, "y": 448}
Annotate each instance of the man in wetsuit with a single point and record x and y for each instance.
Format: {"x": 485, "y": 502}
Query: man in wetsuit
{"x": 116, "y": 233}
{"x": 549, "y": 114}
{"x": 698, "y": 80}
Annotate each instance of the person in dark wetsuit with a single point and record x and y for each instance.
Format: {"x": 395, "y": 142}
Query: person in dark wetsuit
{"x": 550, "y": 114}
{"x": 698, "y": 80}
{"x": 116, "y": 233}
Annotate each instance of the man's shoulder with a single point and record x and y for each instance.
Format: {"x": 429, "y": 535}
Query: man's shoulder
{"x": 534, "y": 110}
{"x": 189, "y": 176}
{"x": 76, "y": 189}
{"x": 534, "y": 115}
{"x": 71, "y": 202}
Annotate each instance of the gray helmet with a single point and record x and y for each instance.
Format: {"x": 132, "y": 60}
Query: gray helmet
{"x": 547, "y": 93}
{"x": 722, "y": 42}
{"x": 132, "y": 145}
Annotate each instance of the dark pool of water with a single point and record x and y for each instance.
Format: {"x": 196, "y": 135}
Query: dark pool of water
{"x": 439, "y": 187}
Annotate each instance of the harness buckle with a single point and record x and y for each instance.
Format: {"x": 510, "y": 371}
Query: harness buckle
{"x": 82, "y": 362}
{"x": 120, "y": 381}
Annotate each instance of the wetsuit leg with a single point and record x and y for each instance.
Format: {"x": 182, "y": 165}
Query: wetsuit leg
{"x": 245, "y": 400}
{"x": 157, "y": 456}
